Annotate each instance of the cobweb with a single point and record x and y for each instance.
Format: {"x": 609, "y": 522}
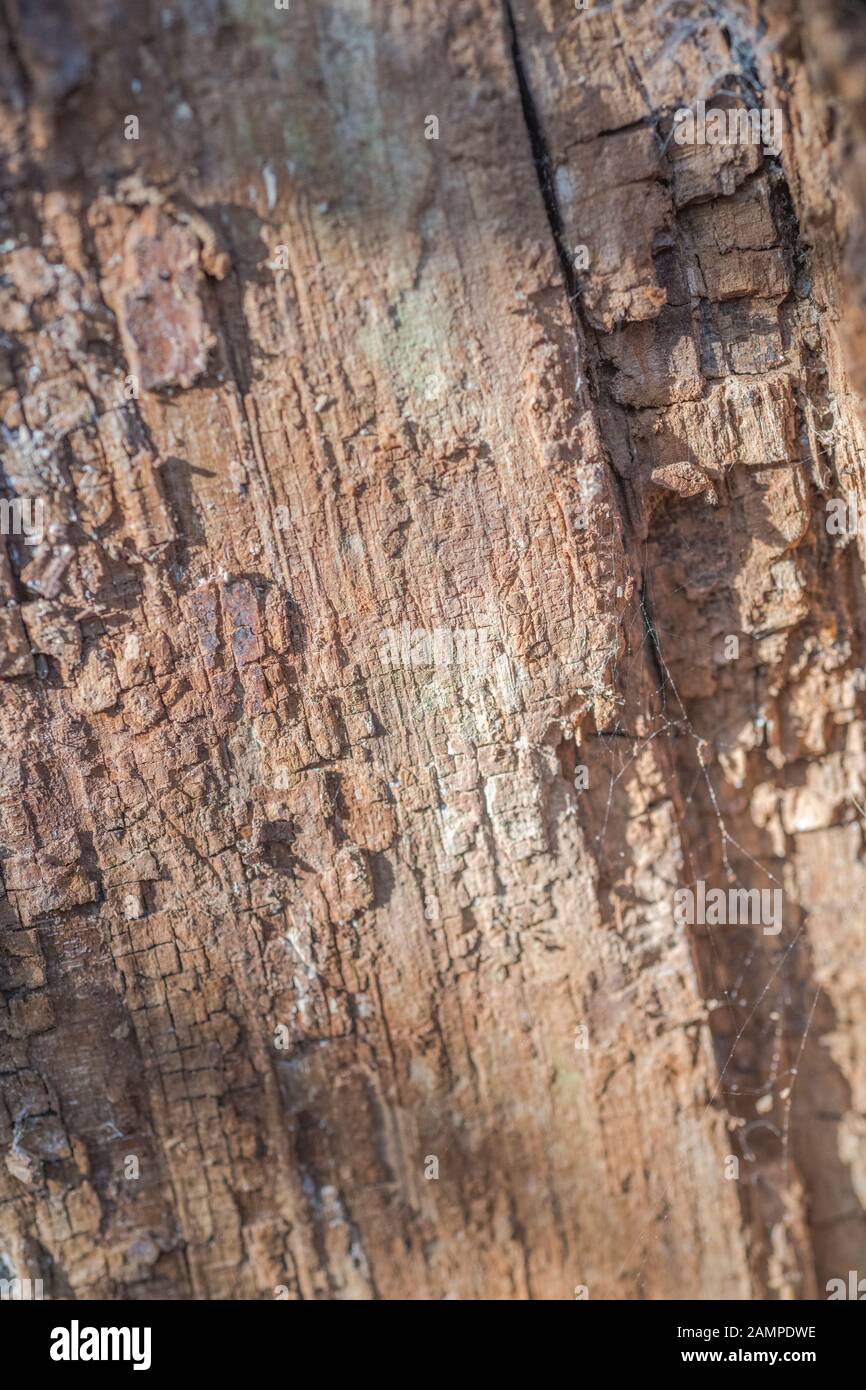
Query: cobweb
{"x": 747, "y": 993}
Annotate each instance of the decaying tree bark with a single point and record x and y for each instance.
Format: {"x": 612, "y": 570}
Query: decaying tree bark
{"x": 434, "y": 579}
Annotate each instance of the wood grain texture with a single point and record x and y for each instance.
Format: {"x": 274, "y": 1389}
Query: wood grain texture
{"x": 370, "y": 521}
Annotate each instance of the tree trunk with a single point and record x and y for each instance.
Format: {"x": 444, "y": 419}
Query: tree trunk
{"x": 435, "y": 582}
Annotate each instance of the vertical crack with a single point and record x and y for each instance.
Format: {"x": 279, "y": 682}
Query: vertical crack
{"x": 584, "y": 335}
{"x": 543, "y": 168}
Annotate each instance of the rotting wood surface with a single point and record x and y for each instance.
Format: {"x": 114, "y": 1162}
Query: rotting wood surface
{"x": 371, "y": 691}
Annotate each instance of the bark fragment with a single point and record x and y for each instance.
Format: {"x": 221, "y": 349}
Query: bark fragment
{"x": 370, "y": 694}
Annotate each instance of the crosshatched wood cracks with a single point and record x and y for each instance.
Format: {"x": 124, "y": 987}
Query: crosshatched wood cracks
{"x": 431, "y": 580}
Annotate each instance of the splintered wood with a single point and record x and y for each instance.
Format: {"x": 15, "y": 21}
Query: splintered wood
{"x": 432, "y": 578}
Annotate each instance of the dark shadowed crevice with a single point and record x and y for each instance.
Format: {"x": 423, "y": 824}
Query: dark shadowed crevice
{"x": 585, "y": 337}
{"x": 541, "y": 159}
